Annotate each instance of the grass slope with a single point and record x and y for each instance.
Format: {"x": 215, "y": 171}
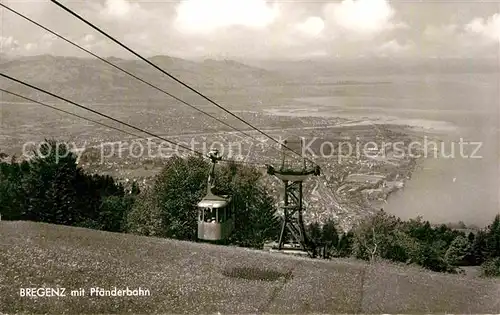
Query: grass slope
{"x": 188, "y": 277}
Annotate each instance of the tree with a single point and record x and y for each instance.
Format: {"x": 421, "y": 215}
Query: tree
{"x": 431, "y": 257}
{"x": 12, "y": 196}
{"x": 469, "y": 259}
{"x": 491, "y": 268}
{"x": 255, "y": 211}
{"x": 479, "y": 250}
{"x": 471, "y": 237}
{"x": 458, "y": 250}
{"x": 50, "y": 186}
{"x": 314, "y": 233}
{"x": 171, "y": 209}
{"x": 493, "y": 238}
{"x": 373, "y": 236}
{"x": 113, "y": 212}
{"x": 57, "y": 191}
{"x": 330, "y": 238}
{"x": 256, "y": 222}
{"x": 402, "y": 247}
{"x": 419, "y": 229}
{"x": 345, "y": 245}
{"x": 414, "y": 242}
{"x": 177, "y": 189}
{"x": 145, "y": 217}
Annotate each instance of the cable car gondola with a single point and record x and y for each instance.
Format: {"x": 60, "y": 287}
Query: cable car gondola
{"x": 215, "y": 212}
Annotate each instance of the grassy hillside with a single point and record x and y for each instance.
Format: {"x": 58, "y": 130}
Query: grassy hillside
{"x": 199, "y": 278}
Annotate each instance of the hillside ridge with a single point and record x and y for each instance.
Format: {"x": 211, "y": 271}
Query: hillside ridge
{"x": 90, "y": 79}
{"x": 186, "y": 277}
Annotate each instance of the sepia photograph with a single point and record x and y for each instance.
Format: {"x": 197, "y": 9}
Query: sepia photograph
{"x": 249, "y": 156}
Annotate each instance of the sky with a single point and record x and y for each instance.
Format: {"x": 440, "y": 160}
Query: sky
{"x": 259, "y": 29}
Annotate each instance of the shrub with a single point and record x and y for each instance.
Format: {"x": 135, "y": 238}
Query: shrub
{"x": 491, "y": 267}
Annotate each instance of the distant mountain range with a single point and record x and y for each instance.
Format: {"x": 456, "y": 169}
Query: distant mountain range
{"x": 342, "y": 67}
{"x": 93, "y": 80}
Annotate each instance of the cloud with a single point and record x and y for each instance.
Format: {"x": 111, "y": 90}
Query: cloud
{"x": 314, "y": 54}
{"x": 313, "y": 26}
{"x": 30, "y": 46}
{"x": 393, "y": 47}
{"x": 205, "y": 16}
{"x": 479, "y": 37}
{"x": 439, "y": 33}
{"x": 48, "y": 37}
{"x": 488, "y": 29}
{"x": 8, "y": 44}
{"x": 364, "y": 17}
{"x": 88, "y": 38}
{"x": 119, "y": 8}
{"x": 259, "y": 28}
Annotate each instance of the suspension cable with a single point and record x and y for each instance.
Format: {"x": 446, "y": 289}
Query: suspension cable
{"x": 174, "y": 78}
{"x": 105, "y": 125}
{"x": 70, "y": 113}
{"x": 121, "y": 69}
{"x": 133, "y": 75}
{"x": 100, "y": 114}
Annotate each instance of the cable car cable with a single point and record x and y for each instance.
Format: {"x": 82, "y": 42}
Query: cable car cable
{"x": 105, "y": 125}
{"x": 172, "y": 77}
{"x": 123, "y": 70}
{"x": 72, "y": 114}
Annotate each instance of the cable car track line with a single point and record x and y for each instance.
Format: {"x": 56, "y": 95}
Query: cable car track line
{"x": 99, "y": 113}
{"x": 172, "y": 77}
{"x": 134, "y": 76}
{"x": 138, "y": 137}
{"x": 69, "y": 113}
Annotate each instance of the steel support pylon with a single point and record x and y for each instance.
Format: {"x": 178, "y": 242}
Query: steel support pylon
{"x": 292, "y": 215}
{"x": 292, "y": 220}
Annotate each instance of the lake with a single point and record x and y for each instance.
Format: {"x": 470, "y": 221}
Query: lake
{"x": 452, "y": 105}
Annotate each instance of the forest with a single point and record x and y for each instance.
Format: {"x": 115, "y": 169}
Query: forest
{"x": 52, "y": 188}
